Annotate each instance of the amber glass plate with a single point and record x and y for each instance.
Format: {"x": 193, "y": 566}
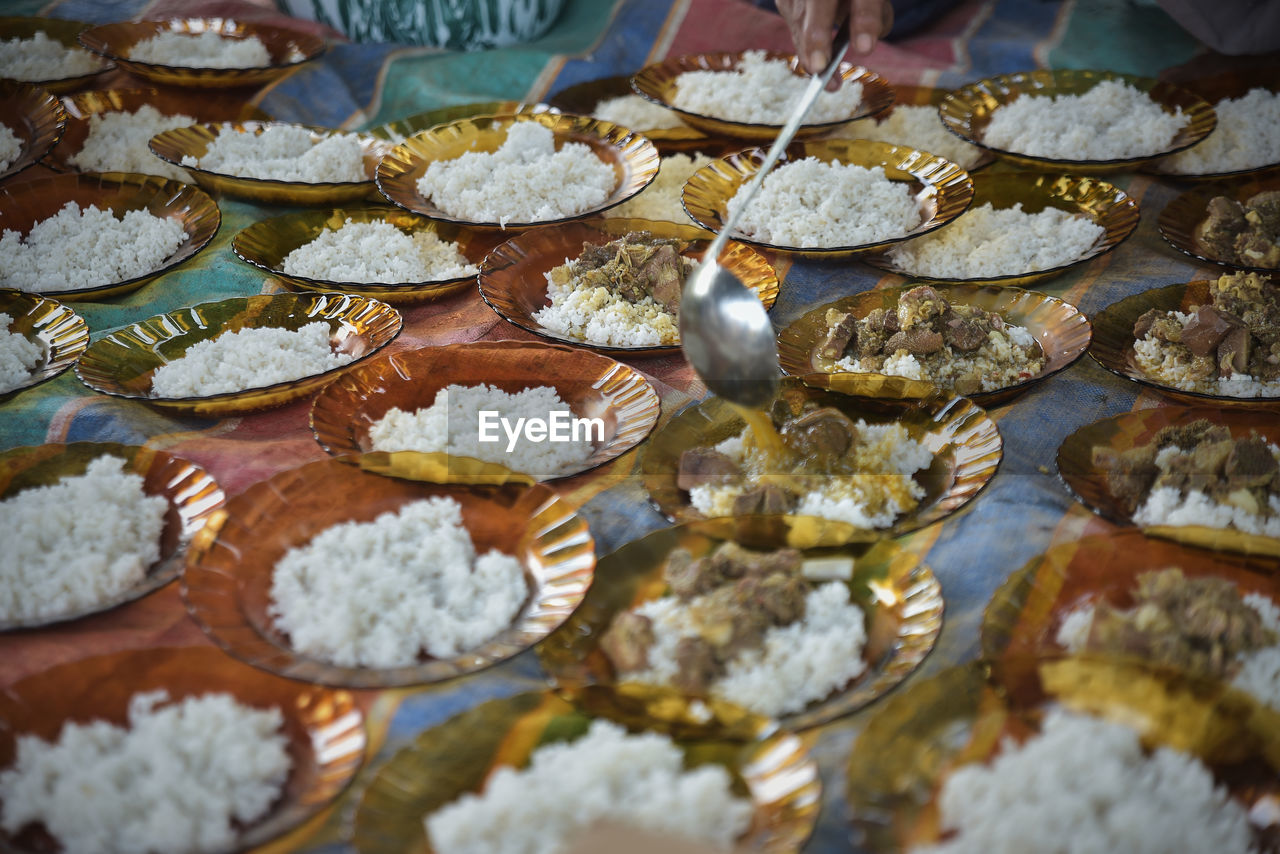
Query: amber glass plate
{"x": 227, "y": 580}
{"x": 35, "y": 117}
{"x": 913, "y": 96}
{"x": 59, "y": 30}
{"x": 593, "y": 386}
{"x": 899, "y": 595}
{"x": 632, "y": 156}
{"x": 1113, "y": 341}
{"x": 81, "y": 108}
{"x": 967, "y": 112}
{"x": 658, "y": 83}
{"x": 61, "y": 334}
{"x": 1104, "y": 204}
{"x": 941, "y": 188}
{"x": 1218, "y": 87}
{"x": 965, "y": 443}
{"x": 27, "y": 202}
{"x": 1058, "y": 327}
{"x": 770, "y": 766}
{"x": 582, "y": 98}
{"x": 288, "y": 49}
{"x": 121, "y": 364}
{"x": 1088, "y": 482}
{"x": 266, "y": 244}
{"x": 325, "y": 728}
{"x": 194, "y": 141}
{"x": 399, "y": 130}
{"x": 1181, "y": 218}
{"x": 192, "y": 494}
{"x": 513, "y": 278}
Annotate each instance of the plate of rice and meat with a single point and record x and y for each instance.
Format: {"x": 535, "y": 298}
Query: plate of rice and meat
{"x": 612, "y": 99}
{"x": 1207, "y": 477}
{"x": 987, "y": 343}
{"x": 46, "y": 52}
{"x": 749, "y": 94}
{"x": 1077, "y": 121}
{"x": 831, "y": 198}
{"x": 90, "y": 526}
{"x": 804, "y": 636}
{"x": 33, "y": 122}
{"x": 203, "y": 53}
{"x": 238, "y": 355}
{"x": 39, "y": 339}
{"x": 612, "y": 285}
{"x": 1235, "y": 225}
{"x": 400, "y": 583}
{"x": 1247, "y": 139}
{"x": 535, "y": 773}
{"x": 512, "y": 171}
{"x": 88, "y": 237}
{"x": 174, "y": 749}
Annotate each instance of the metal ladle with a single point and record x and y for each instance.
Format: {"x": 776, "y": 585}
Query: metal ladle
{"x": 725, "y": 332}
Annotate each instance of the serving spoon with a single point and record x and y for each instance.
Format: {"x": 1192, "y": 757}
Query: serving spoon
{"x": 725, "y": 332}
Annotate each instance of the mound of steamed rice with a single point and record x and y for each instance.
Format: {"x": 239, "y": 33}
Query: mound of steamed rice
{"x": 1112, "y": 121}
{"x": 377, "y": 251}
{"x": 117, "y": 142}
{"x": 19, "y": 356}
{"x": 985, "y": 241}
{"x": 1085, "y": 784}
{"x": 10, "y": 147}
{"x": 1171, "y": 364}
{"x": 381, "y": 593}
{"x": 760, "y": 91}
{"x": 181, "y": 778}
{"x": 284, "y": 153}
{"x": 452, "y": 424}
{"x": 639, "y": 780}
{"x": 201, "y": 50}
{"x": 525, "y": 180}
{"x": 661, "y": 199}
{"x": 248, "y": 358}
{"x": 920, "y": 128}
{"x": 75, "y": 544}
{"x": 598, "y": 315}
{"x": 1247, "y": 136}
{"x": 633, "y": 111}
{"x": 76, "y": 249}
{"x": 819, "y": 205}
{"x": 42, "y": 58}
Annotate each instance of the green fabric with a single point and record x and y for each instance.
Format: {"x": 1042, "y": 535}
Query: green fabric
{"x": 1118, "y": 35}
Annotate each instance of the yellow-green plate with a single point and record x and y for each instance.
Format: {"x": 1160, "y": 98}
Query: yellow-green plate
{"x": 399, "y": 130}
{"x": 35, "y": 117}
{"x": 60, "y": 30}
{"x": 61, "y": 334}
{"x": 1181, "y": 218}
{"x": 582, "y": 99}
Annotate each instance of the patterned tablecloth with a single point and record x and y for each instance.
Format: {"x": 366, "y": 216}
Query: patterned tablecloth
{"x": 1022, "y": 512}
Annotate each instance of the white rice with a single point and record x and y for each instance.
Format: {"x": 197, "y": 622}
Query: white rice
{"x": 452, "y": 424}
{"x": 248, "y": 358}
{"x": 377, "y": 594}
{"x": 661, "y": 199}
{"x": 1006, "y": 358}
{"x": 920, "y": 128}
{"x": 985, "y": 241}
{"x": 633, "y": 111}
{"x": 639, "y": 780}
{"x": 760, "y": 91}
{"x": 183, "y": 777}
{"x": 77, "y": 249}
{"x": 10, "y": 147}
{"x": 378, "y": 251}
{"x": 201, "y": 50}
{"x": 525, "y": 180}
{"x": 600, "y": 316}
{"x": 1167, "y": 505}
{"x": 19, "y": 356}
{"x": 1111, "y": 121}
{"x": 1247, "y": 136}
{"x": 1172, "y": 364}
{"x": 1085, "y": 784}
{"x": 41, "y": 58}
{"x": 284, "y": 153}
{"x": 117, "y": 142}
{"x": 819, "y": 205}
{"x": 77, "y": 543}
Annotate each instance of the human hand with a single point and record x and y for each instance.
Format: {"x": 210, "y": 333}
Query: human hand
{"x": 812, "y": 22}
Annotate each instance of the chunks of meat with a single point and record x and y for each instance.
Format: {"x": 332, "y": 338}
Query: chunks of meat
{"x": 965, "y": 333}
{"x": 1251, "y": 463}
{"x": 919, "y": 306}
{"x": 636, "y": 266}
{"x": 920, "y": 341}
{"x": 699, "y": 466}
{"x": 823, "y": 432}
{"x": 1206, "y": 330}
{"x": 697, "y": 665}
{"x": 627, "y": 640}
{"x": 1129, "y": 473}
{"x": 1223, "y": 224}
{"x": 1233, "y": 352}
{"x": 664, "y": 275}
{"x": 841, "y": 329}
{"x": 1247, "y": 233}
{"x": 768, "y": 499}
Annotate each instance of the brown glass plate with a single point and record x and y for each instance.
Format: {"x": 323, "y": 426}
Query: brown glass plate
{"x": 192, "y": 494}
{"x": 81, "y": 108}
{"x": 27, "y": 202}
{"x": 266, "y": 244}
{"x": 288, "y": 49}
{"x": 942, "y": 189}
{"x": 227, "y": 580}
{"x": 325, "y": 728}
{"x": 1087, "y": 482}
{"x": 513, "y": 278}
{"x": 582, "y": 98}
{"x": 1104, "y": 204}
{"x": 633, "y": 158}
{"x": 64, "y": 32}
{"x": 35, "y": 117}
{"x": 399, "y": 130}
{"x": 61, "y": 334}
{"x": 1181, "y": 218}
{"x": 658, "y": 82}
{"x": 121, "y": 364}
{"x": 194, "y": 141}
{"x": 1217, "y": 87}
{"x": 913, "y": 96}
{"x": 967, "y": 112}
{"x": 768, "y": 765}
{"x": 1113, "y": 341}
{"x": 965, "y": 442}
{"x": 899, "y": 595}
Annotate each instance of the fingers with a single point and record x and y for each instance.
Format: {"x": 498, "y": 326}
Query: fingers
{"x": 815, "y": 19}
{"x": 868, "y": 21}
